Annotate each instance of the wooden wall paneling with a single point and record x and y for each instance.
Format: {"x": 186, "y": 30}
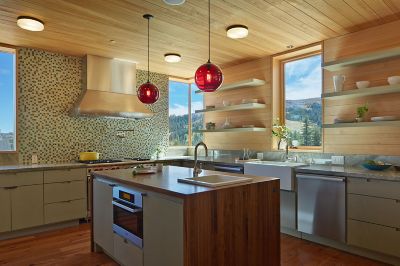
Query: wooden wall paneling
{"x": 259, "y": 69}
{"x": 369, "y": 140}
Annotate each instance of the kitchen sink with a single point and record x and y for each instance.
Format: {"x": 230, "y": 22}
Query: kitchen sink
{"x": 282, "y": 170}
{"x": 215, "y": 180}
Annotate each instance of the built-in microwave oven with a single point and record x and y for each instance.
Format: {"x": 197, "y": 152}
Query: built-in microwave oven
{"x": 128, "y": 214}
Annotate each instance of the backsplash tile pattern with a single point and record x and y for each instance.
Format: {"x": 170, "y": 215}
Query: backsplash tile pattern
{"x": 49, "y": 84}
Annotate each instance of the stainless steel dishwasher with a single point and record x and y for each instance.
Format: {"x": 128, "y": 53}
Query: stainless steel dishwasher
{"x": 321, "y": 206}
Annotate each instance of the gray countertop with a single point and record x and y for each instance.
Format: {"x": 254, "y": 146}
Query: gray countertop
{"x": 166, "y": 182}
{"x": 350, "y": 171}
{"x": 346, "y": 171}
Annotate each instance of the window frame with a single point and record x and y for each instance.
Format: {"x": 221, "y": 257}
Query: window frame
{"x": 189, "y": 82}
{"x": 13, "y": 49}
{"x": 282, "y": 109}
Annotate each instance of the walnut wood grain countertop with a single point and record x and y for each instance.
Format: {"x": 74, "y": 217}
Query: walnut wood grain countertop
{"x": 166, "y": 182}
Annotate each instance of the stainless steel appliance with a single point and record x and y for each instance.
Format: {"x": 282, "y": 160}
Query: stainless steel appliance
{"x": 321, "y": 207}
{"x": 237, "y": 169}
{"x": 128, "y": 214}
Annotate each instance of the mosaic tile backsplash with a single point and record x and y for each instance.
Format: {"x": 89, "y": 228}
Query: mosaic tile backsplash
{"x": 49, "y": 84}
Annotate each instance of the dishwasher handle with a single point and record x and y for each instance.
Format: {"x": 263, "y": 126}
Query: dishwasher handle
{"x": 322, "y": 177}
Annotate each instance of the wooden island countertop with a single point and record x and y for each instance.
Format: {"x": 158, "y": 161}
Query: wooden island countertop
{"x": 235, "y": 225}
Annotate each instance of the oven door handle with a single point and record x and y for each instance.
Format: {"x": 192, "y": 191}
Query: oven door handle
{"x": 122, "y": 206}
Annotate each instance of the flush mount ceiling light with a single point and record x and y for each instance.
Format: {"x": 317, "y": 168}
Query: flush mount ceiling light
{"x": 208, "y": 77}
{"x": 172, "y": 58}
{"x": 174, "y": 2}
{"x": 148, "y": 92}
{"x": 30, "y": 23}
{"x": 237, "y": 31}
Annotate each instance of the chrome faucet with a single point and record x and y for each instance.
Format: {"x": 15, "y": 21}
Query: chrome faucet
{"x": 196, "y": 169}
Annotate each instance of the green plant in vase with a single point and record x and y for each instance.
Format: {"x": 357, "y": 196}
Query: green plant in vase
{"x": 361, "y": 111}
{"x": 280, "y": 131}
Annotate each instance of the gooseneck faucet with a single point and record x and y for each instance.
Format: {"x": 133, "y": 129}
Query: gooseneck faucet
{"x": 196, "y": 169}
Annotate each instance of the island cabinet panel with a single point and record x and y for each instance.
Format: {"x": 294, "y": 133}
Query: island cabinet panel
{"x": 103, "y": 215}
{"x": 162, "y": 230}
{"x": 5, "y": 210}
{"x": 127, "y": 253}
{"x": 234, "y": 226}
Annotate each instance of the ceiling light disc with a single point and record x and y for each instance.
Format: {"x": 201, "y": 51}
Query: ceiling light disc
{"x": 237, "y": 31}
{"x": 172, "y": 58}
{"x": 30, "y": 23}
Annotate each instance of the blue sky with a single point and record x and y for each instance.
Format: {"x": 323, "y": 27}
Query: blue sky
{"x": 7, "y": 101}
{"x": 303, "y": 78}
{"x": 178, "y": 98}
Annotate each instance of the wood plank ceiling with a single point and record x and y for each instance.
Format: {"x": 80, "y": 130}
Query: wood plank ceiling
{"x": 79, "y": 27}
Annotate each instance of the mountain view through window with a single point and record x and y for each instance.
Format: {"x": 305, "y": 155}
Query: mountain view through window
{"x": 303, "y": 112}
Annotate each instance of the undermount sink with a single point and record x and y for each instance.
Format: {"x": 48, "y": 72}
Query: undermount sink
{"x": 279, "y": 163}
{"x": 215, "y": 180}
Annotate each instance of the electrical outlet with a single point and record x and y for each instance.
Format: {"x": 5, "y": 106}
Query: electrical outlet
{"x": 337, "y": 160}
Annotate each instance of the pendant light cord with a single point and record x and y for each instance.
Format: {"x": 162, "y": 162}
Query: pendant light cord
{"x": 148, "y": 49}
{"x": 209, "y": 31}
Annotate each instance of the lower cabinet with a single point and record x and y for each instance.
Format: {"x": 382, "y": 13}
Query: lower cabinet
{"x": 26, "y": 206}
{"x": 126, "y": 253}
{"x": 162, "y": 231}
{"x": 5, "y": 210}
{"x": 373, "y": 213}
{"x": 374, "y": 237}
{"x": 103, "y": 215}
{"x": 288, "y": 209}
{"x": 64, "y": 211}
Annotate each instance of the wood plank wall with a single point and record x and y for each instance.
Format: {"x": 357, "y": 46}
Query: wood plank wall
{"x": 258, "y": 141}
{"x": 369, "y": 140}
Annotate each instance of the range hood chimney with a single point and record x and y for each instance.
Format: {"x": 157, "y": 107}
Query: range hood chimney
{"x": 109, "y": 90}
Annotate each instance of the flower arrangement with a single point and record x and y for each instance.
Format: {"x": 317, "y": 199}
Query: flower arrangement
{"x": 281, "y": 131}
{"x": 361, "y": 111}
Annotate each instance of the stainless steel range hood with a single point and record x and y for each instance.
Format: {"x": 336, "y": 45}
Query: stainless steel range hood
{"x": 109, "y": 90}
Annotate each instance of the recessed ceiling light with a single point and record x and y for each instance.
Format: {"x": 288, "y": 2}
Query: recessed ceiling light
{"x": 290, "y": 46}
{"x": 30, "y": 23}
{"x": 174, "y": 2}
{"x": 172, "y": 58}
{"x": 237, "y": 31}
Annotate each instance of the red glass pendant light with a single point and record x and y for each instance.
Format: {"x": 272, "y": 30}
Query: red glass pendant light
{"x": 148, "y": 92}
{"x": 208, "y": 77}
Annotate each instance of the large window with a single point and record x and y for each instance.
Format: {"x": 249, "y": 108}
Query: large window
{"x": 7, "y": 100}
{"x": 184, "y": 101}
{"x": 302, "y": 90}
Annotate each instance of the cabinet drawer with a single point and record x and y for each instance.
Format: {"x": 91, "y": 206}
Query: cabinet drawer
{"x": 54, "y": 176}
{"x": 21, "y": 179}
{"x": 374, "y": 210}
{"x": 126, "y": 253}
{"x": 64, "y": 211}
{"x": 65, "y": 191}
{"x": 372, "y": 187}
{"x": 374, "y": 237}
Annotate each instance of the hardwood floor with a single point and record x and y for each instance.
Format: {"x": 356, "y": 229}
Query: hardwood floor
{"x": 71, "y": 247}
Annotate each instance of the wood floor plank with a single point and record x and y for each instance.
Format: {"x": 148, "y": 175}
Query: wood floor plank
{"x": 71, "y": 247}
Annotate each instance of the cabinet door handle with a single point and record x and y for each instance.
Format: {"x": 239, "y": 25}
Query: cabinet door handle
{"x": 13, "y": 187}
{"x": 112, "y": 185}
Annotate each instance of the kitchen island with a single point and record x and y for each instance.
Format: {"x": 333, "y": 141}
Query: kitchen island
{"x": 184, "y": 224}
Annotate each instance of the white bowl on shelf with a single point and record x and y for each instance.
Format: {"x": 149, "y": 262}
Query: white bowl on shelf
{"x": 384, "y": 118}
{"x": 362, "y": 84}
{"x": 394, "y": 80}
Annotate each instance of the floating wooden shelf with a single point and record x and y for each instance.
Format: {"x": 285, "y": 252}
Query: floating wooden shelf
{"x": 236, "y": 129}
{"x": 244, "y": 106}
{"x": 362, "y": 92}
{"x": 364, "y": 124}
{"x": 240, "y": 84}
{"x": 356, "y": 60}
